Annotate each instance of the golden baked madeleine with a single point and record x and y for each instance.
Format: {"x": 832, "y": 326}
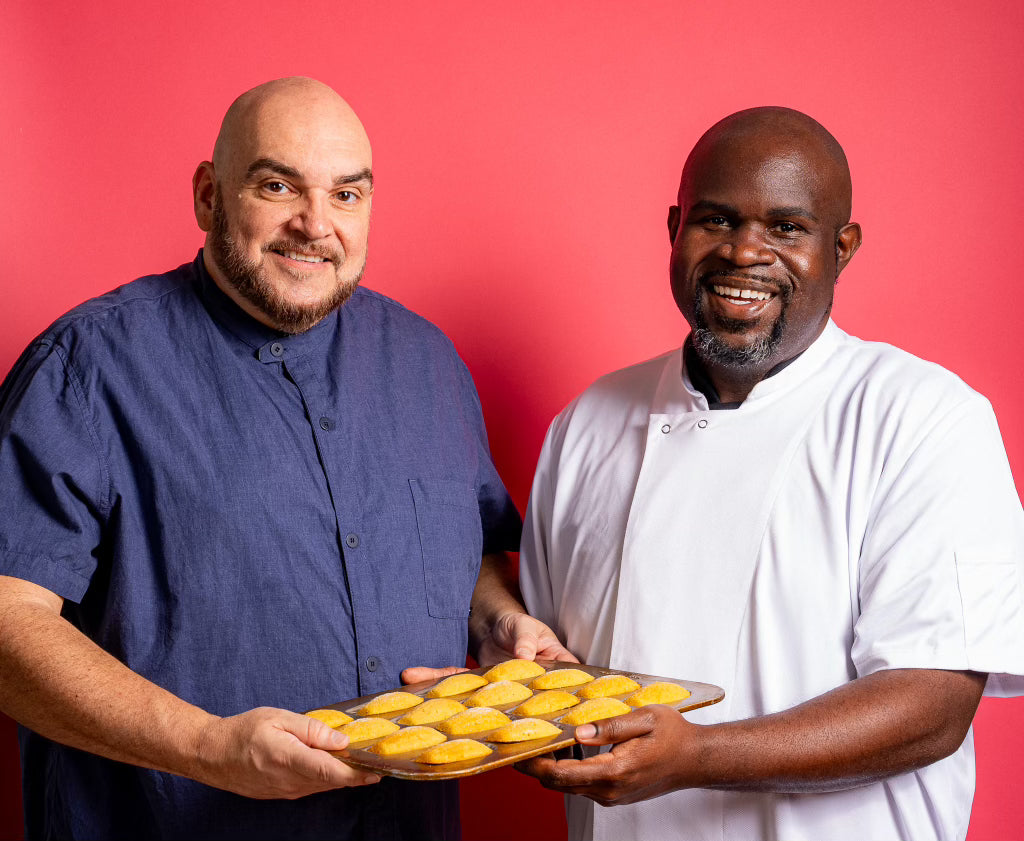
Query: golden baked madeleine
{"x": 475, "y": 720}
{"x": 432, "y": 711}
{"x": 390, "y": 702}
{"x": 660, "y": 692}
{"x": 367, "y": 728}
{"x": 513, "y": 670}
{"x": 594, "y": 710}
{"x": 408, "y": 739}
{"x": 547, "y": 702}
{"x": 523, "y": 730}
{"x": 457, "y": 750}
{"x": 561, "y": 678}
{"x": 498, "y": 694}
{"x": 457, "y": 685}
{"x": 608, "y": 685}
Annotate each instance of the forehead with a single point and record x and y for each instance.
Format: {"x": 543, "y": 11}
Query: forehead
{"x": 321, "y": 143}
{"x": 745, "y": 173}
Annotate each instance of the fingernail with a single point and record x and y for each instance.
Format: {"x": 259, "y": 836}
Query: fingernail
{"x": 338, "y": 739}
{"x": 586, "y": 731}
{"x": 371, "y": 779}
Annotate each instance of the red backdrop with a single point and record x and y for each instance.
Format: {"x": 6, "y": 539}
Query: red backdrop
{"x": 525, "y": 154}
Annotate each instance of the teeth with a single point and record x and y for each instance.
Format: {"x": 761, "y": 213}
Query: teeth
{"x": 730, "y": 292}
{"x": 305, "y": 258}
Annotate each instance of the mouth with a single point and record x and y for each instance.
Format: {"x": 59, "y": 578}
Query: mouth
{"x": 741, "y": 297}
{"x": 303, "y": 257}
{"x": 737, "y": 301}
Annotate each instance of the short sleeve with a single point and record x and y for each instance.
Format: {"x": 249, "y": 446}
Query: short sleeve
{"x": 52, "y": 482}
{"x": 942, "y": 563}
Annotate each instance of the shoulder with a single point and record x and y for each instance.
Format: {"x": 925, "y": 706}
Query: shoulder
{"x": 381, "y": 313}
{"x": 622, "y": 392}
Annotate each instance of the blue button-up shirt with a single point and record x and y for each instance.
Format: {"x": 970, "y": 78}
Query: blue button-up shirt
{"x": 245, "y": 518}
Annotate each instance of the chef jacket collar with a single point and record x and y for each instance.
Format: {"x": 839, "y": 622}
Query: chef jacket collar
{"x": 694, "y": 391}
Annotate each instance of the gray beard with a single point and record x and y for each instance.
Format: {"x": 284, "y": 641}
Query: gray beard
{"x": 249, "y": 280}
{"x": 712, "y": 350}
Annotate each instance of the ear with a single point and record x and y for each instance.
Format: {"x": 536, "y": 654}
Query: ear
{"x": 847, "y": 242}
{"x": 204, "y": 183}
{"x": 673, "y": 223}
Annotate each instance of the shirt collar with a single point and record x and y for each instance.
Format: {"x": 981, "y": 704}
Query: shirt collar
{"x": 268, "y": 344}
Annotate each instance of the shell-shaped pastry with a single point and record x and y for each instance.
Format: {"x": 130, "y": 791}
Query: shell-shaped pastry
{"x": 498, "y": 694}
{"x": 594, "y": 710}
{"x": 561, "y": 678}
{"x": 524, "y": 729}
{"x": 547, "y": 702}
{"x": 390, "y": 702}
{"x": 332, "y": 718}
{"x": 432, "y": 711}
{"x": 367, "y": 728}
{"x": 513, "y": 670}
{"x": 476, "y": 720}
{"x": 608, "y": 685}
{"x": 457, "y": 750}
{"x": 457, "y": 685}
{"x": 408, "y": 739}
{"x": 661, "y": 692}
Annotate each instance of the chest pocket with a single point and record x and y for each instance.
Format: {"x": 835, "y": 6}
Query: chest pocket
{"x": 451, "y": 542}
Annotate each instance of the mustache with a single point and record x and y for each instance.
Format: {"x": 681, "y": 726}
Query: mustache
{"x": 735, "y": 275}
{"x": 314, "y": 249}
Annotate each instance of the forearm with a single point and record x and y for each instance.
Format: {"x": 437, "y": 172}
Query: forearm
{"x": 496, "y": 594}
{"x": 884, "y": 724}
{"x": 60, "y": 684}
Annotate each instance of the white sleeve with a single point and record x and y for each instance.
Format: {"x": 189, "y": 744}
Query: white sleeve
{"x": 942, "y": 562}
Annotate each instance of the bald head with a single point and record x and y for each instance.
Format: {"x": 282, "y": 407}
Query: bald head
{"x": 771, "y": 131}
{"x": 296, "y": 105}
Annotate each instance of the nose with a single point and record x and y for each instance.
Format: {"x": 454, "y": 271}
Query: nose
{"x": 312, "y": 217}
{"x": 746, "y": 247}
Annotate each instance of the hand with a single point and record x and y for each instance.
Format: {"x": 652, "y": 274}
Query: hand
{"x": 656, "y": 751}
{"x": 520, "y": 635}
{"x": 269, "y": 753}
{"x": 423, "y": 674}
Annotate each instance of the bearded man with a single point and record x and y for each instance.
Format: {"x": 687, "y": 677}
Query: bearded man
{"x": 239, "y": 490}
{"x": 825, "y": 527}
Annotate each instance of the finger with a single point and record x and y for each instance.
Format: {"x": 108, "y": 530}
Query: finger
{"x": 328, "y": 771}
{"x": 421, "y": 674}
{"x": 563, "y": 774}
{"x": 311, "y": 731}
{"x": 551, "y": 649}
{"x": 621, "y": 728}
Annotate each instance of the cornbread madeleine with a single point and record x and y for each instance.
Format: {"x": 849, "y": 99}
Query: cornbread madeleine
{"x": 660, "y": 692}
{"x": 457, "y": 685}
{"x": 513, "y": 670}
{"x": 498, "y": 694}
{"x": 408, "y": 739}
{"x": 608, "y": 685}
{"x": 547, "y": 702}
{"x": 475, "y": 720}
{"x": 390, "y": 702}
{"x": 561, "y": 678}
{"x": 457, "y": 750}
{"x": 332, "y": 718}
{"x": 367, "y": 728}
{"x": 594, "y": 710}
{"x": 431, "y": 712}
{"x": 523, "y": 730}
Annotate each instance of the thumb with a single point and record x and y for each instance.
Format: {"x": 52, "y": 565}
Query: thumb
{"x": 524, "y": 640}
{"x": 611, "y": 731}
{"x": 316, "y": 734}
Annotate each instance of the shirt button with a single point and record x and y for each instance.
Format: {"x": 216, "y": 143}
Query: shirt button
{"x": 352, "y": 540}
{"x": 702, "y": 424}
{"x": 666, "y": 428}
{"x": 326, "y": 424}
{"x": 371, "y": 664}
{"x": 277, "y": 349}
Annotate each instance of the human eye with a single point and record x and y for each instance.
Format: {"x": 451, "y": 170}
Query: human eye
{"x": 715, "y": 220}
{"x": 347, "y": 196}
{"x": 788, "y": 228}
{"x": 275, "y": 188}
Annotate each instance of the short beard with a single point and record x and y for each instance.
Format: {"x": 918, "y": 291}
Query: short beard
{"x": 712, "y": 350}
{"x": 249, "y": 278}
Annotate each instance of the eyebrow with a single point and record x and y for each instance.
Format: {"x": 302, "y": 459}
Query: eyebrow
{"x": 269, "y": 164}
{"x": 704, "y": 206}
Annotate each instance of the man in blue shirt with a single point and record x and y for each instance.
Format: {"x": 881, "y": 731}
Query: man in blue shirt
{"x": 236, "y": 491}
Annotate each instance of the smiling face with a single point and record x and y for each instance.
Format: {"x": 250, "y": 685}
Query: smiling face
{"x": 758, "y": 239}
{"x": 286, "y": 203}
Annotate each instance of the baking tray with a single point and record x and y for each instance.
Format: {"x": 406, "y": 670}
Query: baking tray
{"x": 405, "y": 767}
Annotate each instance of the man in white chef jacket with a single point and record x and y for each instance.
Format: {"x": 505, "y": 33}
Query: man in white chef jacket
{"x": 825, "y": 527}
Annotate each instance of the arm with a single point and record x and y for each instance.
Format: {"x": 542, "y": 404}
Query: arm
{"x": 886, "y": 723}
{"x": 58, "y": 683}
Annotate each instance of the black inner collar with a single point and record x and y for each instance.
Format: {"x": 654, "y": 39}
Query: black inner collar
{"x": 702, "y": 380}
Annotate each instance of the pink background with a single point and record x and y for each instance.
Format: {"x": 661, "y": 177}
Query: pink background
{"x": 525, "y": 155}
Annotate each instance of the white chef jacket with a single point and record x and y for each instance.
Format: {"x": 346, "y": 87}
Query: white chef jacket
{"x": 855, "y": 513}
